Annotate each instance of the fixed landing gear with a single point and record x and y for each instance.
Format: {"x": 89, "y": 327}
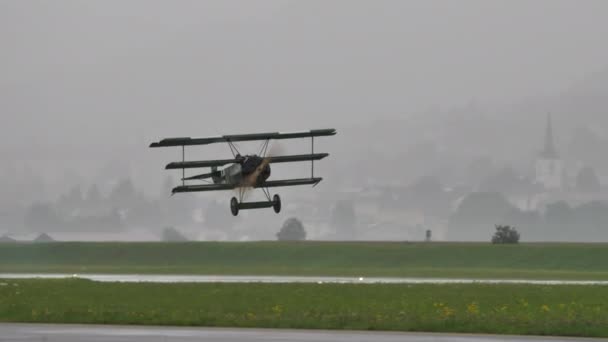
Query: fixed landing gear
{"x": 276, "y": 203}
{"x": 235, "y": 206}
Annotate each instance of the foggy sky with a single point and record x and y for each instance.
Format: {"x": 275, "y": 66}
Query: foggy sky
{"x": 76, "y": 69}
{"x": 85, "y": 86}
{"x": 89, "y": 81}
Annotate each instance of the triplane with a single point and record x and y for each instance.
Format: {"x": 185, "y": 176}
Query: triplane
{"x": 244, "y": 172}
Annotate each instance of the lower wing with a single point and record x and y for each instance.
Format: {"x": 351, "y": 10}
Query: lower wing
{"x": 268, "y": 184}
{"x": 202, "y": 187}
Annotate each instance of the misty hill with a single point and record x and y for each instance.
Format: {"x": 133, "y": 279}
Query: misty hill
{"x": 445, "y": 144}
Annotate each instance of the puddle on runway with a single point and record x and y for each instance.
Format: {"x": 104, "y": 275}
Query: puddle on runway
{"x": 136, "y": 278}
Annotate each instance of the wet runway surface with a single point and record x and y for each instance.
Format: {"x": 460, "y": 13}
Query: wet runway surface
{"x": 288, "y": 279}
{"x": 96, "y": 333}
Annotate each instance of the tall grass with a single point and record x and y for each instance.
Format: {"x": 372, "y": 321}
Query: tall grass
{"x": 504, "y": 309}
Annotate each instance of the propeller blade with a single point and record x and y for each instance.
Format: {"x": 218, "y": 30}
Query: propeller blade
{"x": 250, "y": 181}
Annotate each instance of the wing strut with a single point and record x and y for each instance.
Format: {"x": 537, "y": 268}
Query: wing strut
{"x": 267, "y": 193}
{"x": 233, "y": 149}
{"x": 183, "y": 169}
{"x": 264, "y": 148}
{"x": 312, "y": 161}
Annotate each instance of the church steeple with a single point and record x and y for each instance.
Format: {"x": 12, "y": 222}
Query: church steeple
{"x": 549, "y": 151}
{"x": 549, "y": 167}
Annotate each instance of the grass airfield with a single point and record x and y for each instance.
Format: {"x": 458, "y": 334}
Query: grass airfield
{"x": 565, "y": 310}
{"x": 353, "y": 259}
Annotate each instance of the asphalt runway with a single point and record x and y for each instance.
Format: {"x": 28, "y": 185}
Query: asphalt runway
{"x": 288, "y": 279}
{"x": 96, "y": 333}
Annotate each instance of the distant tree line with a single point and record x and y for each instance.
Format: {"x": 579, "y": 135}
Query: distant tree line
{"x": 479, "y": 212}
{"x": 124, "y": 206}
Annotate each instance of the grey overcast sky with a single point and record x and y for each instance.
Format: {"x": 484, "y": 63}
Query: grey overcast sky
{"x": 106, "y": 69}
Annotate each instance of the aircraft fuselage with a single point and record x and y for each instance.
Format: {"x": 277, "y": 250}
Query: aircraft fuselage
{"x": 249, "y": 171}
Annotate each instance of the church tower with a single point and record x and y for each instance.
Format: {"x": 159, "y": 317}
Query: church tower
{"x": 549, "y": 166}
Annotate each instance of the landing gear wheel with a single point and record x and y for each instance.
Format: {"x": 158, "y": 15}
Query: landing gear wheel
{"x": 234, "y": 206}
{"x": 276, "y": 203}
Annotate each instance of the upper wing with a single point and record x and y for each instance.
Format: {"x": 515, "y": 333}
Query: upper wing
{"x": 203, "y": 187}
{"x": 187, "y": 141}
{"x": 290, "y": 182}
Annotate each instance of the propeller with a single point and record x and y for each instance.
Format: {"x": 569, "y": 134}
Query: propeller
{"x": 250, "y": 181}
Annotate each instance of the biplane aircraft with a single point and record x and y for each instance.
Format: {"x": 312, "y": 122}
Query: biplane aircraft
{"x": 244, "y": 172}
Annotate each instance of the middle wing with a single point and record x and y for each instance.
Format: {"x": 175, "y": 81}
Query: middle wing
{"x": 297, "y": 158}
{"x": 222, "y": 162}
{"x": 290, "y": 182}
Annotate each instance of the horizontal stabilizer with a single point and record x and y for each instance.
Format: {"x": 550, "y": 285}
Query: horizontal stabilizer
{"x": 187, "y": 141}
{"x": 203, "y": 176}
{"x": 200, "y": 163}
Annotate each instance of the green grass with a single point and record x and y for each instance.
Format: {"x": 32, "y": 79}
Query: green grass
{"x": 439, "y": 260}
{"x": 502, "y": 309}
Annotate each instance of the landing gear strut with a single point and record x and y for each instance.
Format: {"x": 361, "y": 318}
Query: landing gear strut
{"x": 235, "y": 206}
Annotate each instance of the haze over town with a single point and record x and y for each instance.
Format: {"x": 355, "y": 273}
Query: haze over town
{"x": 451, "y": 116}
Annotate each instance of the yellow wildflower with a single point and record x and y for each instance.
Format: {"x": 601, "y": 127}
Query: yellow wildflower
{"x": 447, "y": 312}
{"x": 473, "y": 309}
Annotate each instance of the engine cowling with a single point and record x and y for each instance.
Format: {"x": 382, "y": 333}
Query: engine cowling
{"x": 255, "y": 166}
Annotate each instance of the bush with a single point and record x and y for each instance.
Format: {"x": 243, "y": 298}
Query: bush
{"x": 292, "y": 230}
{"x": 171, "y": 234}
{"x": 505, "y": 234}
{"x": 344, "y": 220}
